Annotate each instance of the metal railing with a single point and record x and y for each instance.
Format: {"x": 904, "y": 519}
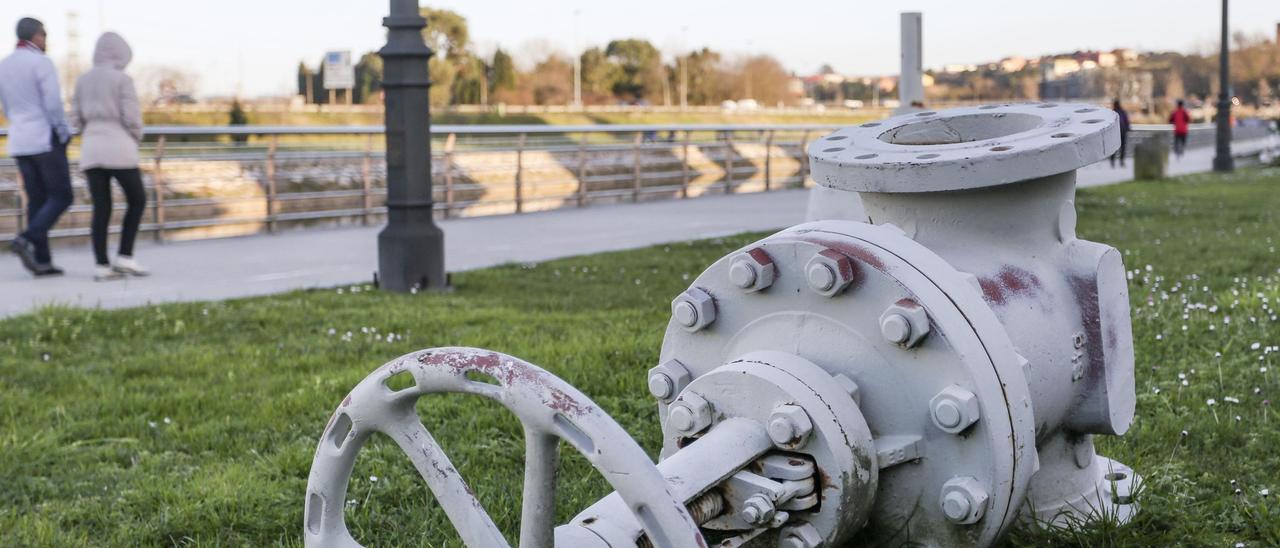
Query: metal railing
{"x": 206, "y": 181}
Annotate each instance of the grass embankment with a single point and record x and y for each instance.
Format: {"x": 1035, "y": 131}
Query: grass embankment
{"x": 195, "y": 423}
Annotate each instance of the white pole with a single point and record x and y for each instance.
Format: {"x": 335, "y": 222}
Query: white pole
{"x": 910, "y": 78}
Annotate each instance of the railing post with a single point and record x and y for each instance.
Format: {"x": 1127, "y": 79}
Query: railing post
{"x": 582, "y": 170}
{"x": 271, "y": 183}
{"x": 768, "y": 161}
{"x": 520, "y": 173}
{"x": 22, "y": 204}
{"x": 684, "y": 165}
{"x": 157, "y": 188}
{"x": 448, "y": 174}
{"x": 804, "y": 159}
{"x": 635, "y": 167}
{"x": 728, "y": 162}
{"x": 366, "y": 180}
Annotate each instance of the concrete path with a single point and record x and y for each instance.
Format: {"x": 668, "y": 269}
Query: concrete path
{"x": 259, "y": 265}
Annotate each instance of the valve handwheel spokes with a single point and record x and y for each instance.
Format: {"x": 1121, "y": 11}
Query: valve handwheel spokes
{"x": 549, "y": 409}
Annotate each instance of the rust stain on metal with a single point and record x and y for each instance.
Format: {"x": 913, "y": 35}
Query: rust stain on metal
{"x": 511, "y": 372}
{"x": 848, "y": 247}
{"x": 760, "y": 255}
{"x": 1009, "y": 283}
{"x": 1085, "y": 290}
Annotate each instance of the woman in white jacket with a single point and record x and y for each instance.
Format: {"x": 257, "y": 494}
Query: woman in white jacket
{"x": 105, "y": 110}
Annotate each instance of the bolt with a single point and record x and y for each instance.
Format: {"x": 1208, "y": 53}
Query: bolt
{"x": 789, "y": 426}
{"x": 829, "y": 272}
{"x": 667, "y": 380}
{"x": 680, "y": 417}
{"x": 954, "y": 409}
{"x": 742, "y": 274}
{"x": 757, "y": 510}
{"x": 752, "y": 270}
{"x": 821, "y": 277}
{"x": 963, "y": 500}
{"x": 686, "y": 314}
{"x": 689, "y": 414}
{"x": 896, "y": 328}
{"x": 904, "y": 323}
{"x": 956, "y": 506}
{"x": 661, "y": 386}
{"x": 694, "y": 309}
{"x": 947, "y": 414}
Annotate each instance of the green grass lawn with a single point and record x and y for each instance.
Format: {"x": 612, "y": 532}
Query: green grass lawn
{"x": 196, "y": 423}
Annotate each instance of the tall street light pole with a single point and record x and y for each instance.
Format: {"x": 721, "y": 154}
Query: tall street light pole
{"x": 1223, "y": 161}
{"x": 411, "y": 246}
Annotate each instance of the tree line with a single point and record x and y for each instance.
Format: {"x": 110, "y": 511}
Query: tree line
{"x": 626, "y": 71}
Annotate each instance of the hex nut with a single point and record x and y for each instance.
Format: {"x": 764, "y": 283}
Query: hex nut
{"x": 689, "y": 414}
{"x": 667, "y": 379}
{"x": 963, "y": 500}
{"x": 752, "y": 270}
{"x": 789, "y": 426}
{"x": 954, "y": 409}
{"x": 830, "y": 272}
{"x": 800, "y": 536}
{"x": 904, "y": 323}
{"x": 694, "y": 309}
{"x": 757, "y": 510}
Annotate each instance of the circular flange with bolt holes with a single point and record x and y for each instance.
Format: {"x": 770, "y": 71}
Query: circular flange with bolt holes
{"x": 964, "y": 148}
{"x": 814, "y": 416}
{"x": 895, "y": 377}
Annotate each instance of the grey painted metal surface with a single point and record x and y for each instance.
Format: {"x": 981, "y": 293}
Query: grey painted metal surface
{"x": 934, "y": 376}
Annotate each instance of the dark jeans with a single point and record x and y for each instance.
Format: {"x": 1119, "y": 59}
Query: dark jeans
{"x": 1179, "y": 144}
{"x": 47, "y": 181}
{"x": 100, "y": 188}
{"x": 1124, "y": 142}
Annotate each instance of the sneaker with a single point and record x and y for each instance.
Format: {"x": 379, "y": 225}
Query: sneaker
{"x": 46, "y": 271}
{"x": 126, "y": 265}
{"x": 104, "y": 272}
{"x": 26, "y": 252}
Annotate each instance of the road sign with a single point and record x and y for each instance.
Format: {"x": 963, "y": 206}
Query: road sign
{"x": 338, "y": 71}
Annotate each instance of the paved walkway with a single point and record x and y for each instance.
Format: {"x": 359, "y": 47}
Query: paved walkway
{"x": 259, "y": 265}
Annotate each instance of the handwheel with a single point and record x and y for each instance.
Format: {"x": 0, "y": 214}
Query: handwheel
{"x": 549, "y": 409}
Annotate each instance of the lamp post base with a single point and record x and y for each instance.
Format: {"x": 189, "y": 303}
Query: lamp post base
{"x": 410, "y": 258}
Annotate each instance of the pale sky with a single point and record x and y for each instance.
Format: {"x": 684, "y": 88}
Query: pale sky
{"x": 255, "y": 46}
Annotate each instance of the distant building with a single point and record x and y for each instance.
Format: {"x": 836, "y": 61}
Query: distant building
{"x": 1062, "y": 66}
{"x": 1013, "y": 64}
{"x": 1127, "y": 55}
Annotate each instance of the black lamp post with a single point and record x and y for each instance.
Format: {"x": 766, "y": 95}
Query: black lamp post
{"x": 1222, "y": 160}
{"x": 411, "y": 246}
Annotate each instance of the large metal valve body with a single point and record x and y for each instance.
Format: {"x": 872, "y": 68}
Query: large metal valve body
{"x": 932, "y": 377}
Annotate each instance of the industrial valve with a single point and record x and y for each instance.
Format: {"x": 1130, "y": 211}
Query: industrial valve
{"x": 933, "y": 376}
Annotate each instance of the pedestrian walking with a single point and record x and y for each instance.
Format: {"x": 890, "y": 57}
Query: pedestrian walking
{"x": 1124, "y": 132}
{"x": 38, "y": 137}
{"x": 105, "y": 110}
{"x": 1181, "y": 120}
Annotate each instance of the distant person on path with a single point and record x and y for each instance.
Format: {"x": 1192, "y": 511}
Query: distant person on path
{"x": 105, "y": 110}
{"x": 1180, "y": 119}
{"x": 1124, "y": 132}
{"x": 38, "y": 137}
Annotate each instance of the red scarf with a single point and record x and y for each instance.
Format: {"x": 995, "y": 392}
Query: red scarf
{"x": 29, "y": 44}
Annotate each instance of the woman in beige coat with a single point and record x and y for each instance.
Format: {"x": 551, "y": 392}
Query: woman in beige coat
{"x": 105, "y": 110}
